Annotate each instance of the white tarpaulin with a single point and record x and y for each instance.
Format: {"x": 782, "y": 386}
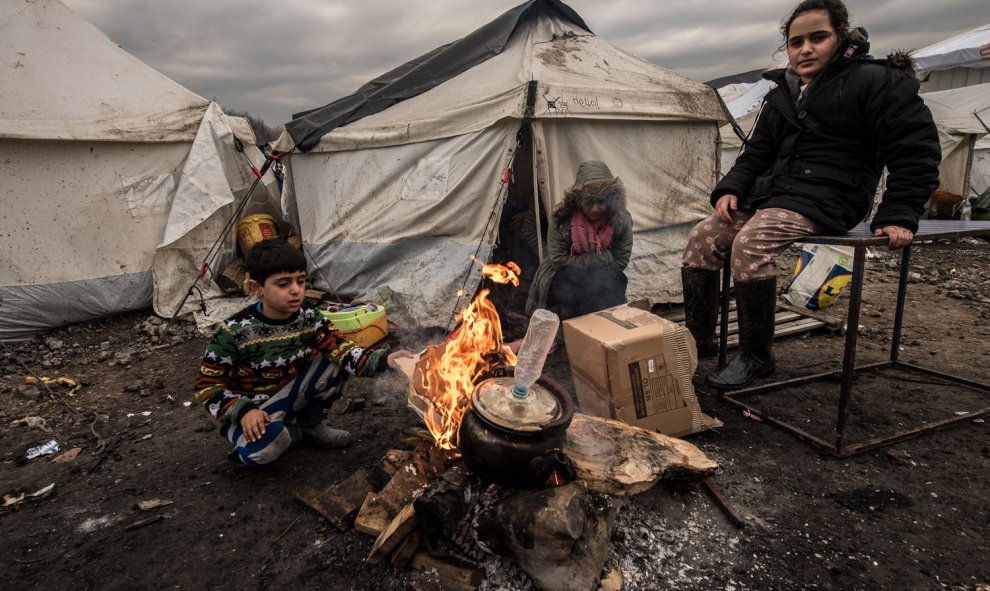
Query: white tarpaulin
{"x": 962, "y": 115}
{"x": 214, "y": 180}
{"x": 393, "y": 205}
{"x": 966, "y": 50}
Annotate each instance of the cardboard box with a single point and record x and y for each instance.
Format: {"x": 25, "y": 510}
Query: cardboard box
{"x": 634, "y": 366}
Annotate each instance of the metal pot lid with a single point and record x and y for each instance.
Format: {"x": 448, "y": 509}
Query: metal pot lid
{"x": 495, "y": 402}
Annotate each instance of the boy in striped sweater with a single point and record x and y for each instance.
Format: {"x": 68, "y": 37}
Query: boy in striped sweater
{"x": 272, "y": 369}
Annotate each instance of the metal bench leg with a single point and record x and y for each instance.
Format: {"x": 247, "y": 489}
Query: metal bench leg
{"x": 852, "y": 336}
{"x": 895, "y": 342}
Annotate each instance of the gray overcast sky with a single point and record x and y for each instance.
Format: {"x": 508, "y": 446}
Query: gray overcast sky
{"x": 276, "y": 58}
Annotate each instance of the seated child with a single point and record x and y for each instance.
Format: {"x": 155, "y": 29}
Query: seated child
{"x": 272, "y": 369}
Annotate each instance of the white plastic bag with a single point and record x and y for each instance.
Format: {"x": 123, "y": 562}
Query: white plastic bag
{"x": 820, "y": 275}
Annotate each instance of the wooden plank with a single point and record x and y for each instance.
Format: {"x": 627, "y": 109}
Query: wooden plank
{"x": 372, "y": 518}
{"x": 788, "y": 320}
{"x": 400, "y": 527}
{"x": 790, "y": 328}
{"x": 833, "y": 323}
{"x": 780, "y": 318}
{"x": 678, "y": 316}
{"x": 400, "y": 489}
{"x": 338, "y": 503}
{"x": 395, "y": 459}
{"x": 404, "y": 553}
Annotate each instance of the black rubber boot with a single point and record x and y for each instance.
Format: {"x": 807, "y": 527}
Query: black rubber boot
{"x": 756, "y": 304}
{"x": 701, "y": 290}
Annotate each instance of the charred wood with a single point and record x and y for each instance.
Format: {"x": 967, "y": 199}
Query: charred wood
{"x": 451, "y": 573}
{"x": 558, "y": 536}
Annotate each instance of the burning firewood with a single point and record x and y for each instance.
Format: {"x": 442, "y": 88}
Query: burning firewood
{"x": 445, "y": 374}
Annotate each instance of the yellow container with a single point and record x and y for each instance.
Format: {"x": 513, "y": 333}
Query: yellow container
{"x": 365, "y": 325}
{"x": 253, "y": 229}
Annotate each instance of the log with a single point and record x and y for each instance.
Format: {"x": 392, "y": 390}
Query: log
{"x": 401, "y": 489}
{"x": 395, "y": 459}
{"x": 558, "y": 536}
{"x": 453, "y": 574}
{"x": 339, "y": 503}
{"x": 622, "y": 460}
{"x": 547, "y": 522}
{"x": 400, "y": 527}
{"x": 414, "y": 436}
{"x": 372, "y": 518}
{"x": 404, "y": 553}
{"x": 444, "y": 503}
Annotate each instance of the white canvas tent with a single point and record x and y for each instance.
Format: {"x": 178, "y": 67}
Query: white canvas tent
{"x": 962, "y": 115}
{"x": 393, "y": 198}
{"x": 92, "y": 146}
{"x": 961, "y": 60}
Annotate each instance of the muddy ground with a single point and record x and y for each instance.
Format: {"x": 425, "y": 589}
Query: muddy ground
{"x": 910, "y": 516}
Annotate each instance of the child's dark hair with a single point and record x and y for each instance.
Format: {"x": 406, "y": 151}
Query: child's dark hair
{"x": 272, "y": 256}
{"x": 838, "y": 17}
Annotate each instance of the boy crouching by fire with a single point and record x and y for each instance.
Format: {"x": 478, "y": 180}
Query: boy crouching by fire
{"x": 271, "y": 370}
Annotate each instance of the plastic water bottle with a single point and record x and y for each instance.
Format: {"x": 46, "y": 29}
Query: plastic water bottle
{"x": 533, "y": 353}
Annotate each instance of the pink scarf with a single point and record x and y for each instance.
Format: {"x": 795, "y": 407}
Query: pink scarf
{"x": 590, "y": 236}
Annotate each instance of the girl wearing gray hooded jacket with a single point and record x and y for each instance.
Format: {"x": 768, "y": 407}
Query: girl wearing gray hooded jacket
{"x": 589, "y": 242}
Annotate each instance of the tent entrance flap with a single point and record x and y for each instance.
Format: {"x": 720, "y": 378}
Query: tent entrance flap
{"x": 521, "y": 229}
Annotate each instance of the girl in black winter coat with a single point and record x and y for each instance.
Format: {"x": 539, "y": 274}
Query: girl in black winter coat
{"x": 836, "y": 118}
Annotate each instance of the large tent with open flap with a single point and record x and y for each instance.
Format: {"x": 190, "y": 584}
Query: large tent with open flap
{"x": 397, "y": 185}
{"x": 93, "y": 143}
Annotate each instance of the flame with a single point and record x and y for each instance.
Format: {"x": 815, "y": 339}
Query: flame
{"x": 448, "y": 377}
{"x": 556, "y": 479}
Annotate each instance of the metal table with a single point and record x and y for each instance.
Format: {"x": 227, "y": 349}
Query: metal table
{"x": 859, "y": 238}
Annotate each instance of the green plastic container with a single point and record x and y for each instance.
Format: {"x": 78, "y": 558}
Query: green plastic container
{"x": 365, "y": 325}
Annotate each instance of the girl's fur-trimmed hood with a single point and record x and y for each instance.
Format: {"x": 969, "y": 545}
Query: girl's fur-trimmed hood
{"x": 611, "y": 190}
{"x": 904, "y": 61}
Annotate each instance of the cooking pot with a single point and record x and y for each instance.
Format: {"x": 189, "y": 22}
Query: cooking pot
{"x": 517, "y": 441}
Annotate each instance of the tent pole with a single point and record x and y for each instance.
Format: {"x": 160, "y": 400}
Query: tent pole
{"x": 969, "y": 170}
{"x": 536, "y": 194}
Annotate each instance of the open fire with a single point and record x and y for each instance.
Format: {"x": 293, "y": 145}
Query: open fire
{"x": 447, "y": 373}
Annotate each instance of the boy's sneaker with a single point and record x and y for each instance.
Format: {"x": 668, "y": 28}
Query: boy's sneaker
{"x": 235, "y": 460}
{"x": 327, "y": 437}
{"x": 295, "y": 433}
